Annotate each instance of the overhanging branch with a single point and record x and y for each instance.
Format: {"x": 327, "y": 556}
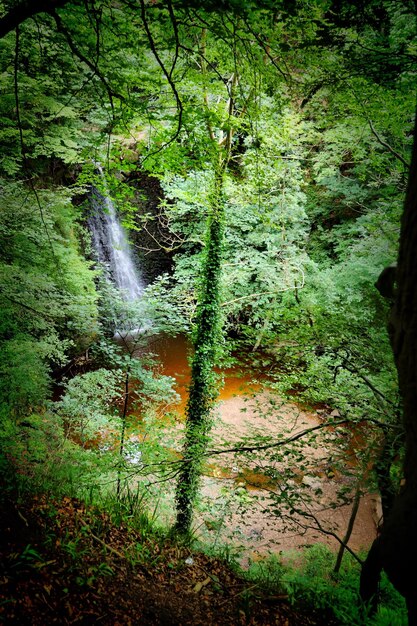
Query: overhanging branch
{"x": 77, "y": 52}
{"x": 167, "y": 74}
{"x": 302, "y": 433}
{"x": 25, "y": 10}
{"x": 277, "y": 444}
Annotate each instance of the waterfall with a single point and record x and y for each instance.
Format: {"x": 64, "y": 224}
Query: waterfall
{"x": 111, "y": 245}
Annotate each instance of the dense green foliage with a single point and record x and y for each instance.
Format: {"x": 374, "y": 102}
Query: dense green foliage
{"x": 279, "y": 139}
{"x": 312, "y": 583}
{"x": 48, "y": 290}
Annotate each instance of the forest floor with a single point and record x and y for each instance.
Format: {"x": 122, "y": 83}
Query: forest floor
{"x": 63, "y": 563}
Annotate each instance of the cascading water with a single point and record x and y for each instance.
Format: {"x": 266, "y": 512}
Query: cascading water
{"x": 113, "y": 252}
{"x": 111, "y": 245}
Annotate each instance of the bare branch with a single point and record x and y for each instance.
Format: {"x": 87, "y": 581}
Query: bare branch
{"x": 176, "y": 35}
{"x": 77, "y": 52}
{"x": 265, "y": 48}
{"x": 302, "y": 433}
{"x": 330, "y": 533}
{"x": 22, "y": 144}
{"x": 354, "y": 370}
{"x": 349, "y": 529}
{"x": 168, "y": 77}
{"x": 318, "y": 525}
{"x": 277, "y": 444}
{"x": 260, "y": 293}
{"x": 374, "y": 132}
{"x": 202, "y": 53}
{"x": 387, "y": 146}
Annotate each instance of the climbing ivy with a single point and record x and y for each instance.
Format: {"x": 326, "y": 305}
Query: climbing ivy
{"x": 203, "y": 392}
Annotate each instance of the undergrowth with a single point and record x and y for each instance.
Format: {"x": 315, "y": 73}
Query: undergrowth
{"x": 308, "y": 580}
{"x": 305, "y": 578}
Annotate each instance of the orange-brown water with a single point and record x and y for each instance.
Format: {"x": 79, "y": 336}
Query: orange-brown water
{"x": 259, "y": 531}
{"x": 174, "y": 354}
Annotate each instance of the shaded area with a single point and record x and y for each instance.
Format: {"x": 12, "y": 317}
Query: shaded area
{"x": 64, "y": 563}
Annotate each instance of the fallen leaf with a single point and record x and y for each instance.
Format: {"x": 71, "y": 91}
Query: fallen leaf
{"x": 198, "y": 587}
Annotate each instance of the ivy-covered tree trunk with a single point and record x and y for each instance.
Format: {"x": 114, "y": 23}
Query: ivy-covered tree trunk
{"x": 202, "y": 393}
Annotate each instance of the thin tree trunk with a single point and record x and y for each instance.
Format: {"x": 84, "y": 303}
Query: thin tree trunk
{"x": 202, "y": 393}
{"x": 349, "y": 530}
{"x": 123, "y": 433}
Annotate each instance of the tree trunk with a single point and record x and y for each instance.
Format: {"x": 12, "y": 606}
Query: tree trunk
{"x": 202, "y": 393}
{"x": 123, "y": 432}
{"x": 403, "y": 323}
{"x": 396, "y": 549}
{"x": 382, "y": 467}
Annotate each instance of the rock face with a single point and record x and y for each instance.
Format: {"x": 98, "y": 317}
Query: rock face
{"x": 152, "y": 242}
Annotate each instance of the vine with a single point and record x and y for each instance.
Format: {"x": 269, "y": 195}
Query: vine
{"x": 202, "y": 394}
